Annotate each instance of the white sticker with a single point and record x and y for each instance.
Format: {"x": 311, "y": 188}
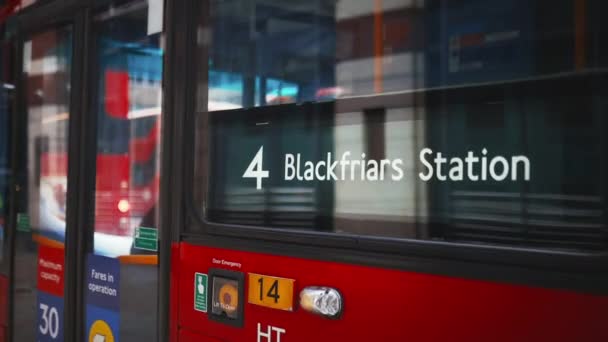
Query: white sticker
{"x": 27, "y": 57}
{"x": 155, "y": 16}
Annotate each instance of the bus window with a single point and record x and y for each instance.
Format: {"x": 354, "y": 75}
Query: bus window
{"x": 128, "y": 128}
{"x": 468, "y": 122}
{"x": 128, "y": 98}
{"x": 42, "y": 181}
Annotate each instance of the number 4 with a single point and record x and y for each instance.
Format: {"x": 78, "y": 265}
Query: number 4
{"x": 255, "y": 170}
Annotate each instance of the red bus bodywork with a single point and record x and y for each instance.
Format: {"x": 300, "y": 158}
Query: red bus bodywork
{"x": 385, "y": 305}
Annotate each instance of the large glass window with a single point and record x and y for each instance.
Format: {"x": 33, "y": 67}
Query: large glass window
{"x": 466, "y": 121}
{"x": 128, "y": 126}
{"x": 128, "y": 77}
{"x": 42, "y": 184}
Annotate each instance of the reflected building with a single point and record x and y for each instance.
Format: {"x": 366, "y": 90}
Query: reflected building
{"x": 382, "y": 81}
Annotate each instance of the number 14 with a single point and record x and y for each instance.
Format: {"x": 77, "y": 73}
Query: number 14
{"x": 273, "y": 292}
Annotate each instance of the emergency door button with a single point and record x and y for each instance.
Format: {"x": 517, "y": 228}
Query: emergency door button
{"x": 226, "y": 296}
{"x": 226, "y": 299}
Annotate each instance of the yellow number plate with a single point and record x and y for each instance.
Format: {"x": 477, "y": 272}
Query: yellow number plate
{"x": 271, "y": 292}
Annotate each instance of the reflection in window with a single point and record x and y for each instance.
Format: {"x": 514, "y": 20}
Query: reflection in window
{"x": 128, "y": 127}
{"x": 505, "y": 97}
{"x": 47, "y": 61}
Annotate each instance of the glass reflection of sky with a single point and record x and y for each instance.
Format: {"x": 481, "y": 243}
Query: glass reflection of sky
{"x": 227, "y": 88}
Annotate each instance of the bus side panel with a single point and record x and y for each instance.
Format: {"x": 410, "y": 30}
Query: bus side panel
{"x": 174, "y": 292}
{"x": 3, "y": 307}
{"x": 188, "y": 336}
{"x": 390, "y": 305}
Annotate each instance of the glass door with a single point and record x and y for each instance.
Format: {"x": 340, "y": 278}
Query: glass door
{"x": 41, "y": 186}
{"x": 122, "y": 266}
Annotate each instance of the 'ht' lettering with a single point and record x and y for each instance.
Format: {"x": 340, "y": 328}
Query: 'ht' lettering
{"x": 269, "y": 332}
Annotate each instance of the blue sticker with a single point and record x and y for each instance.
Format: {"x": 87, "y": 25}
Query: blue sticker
{"x": 103, "y": 282}
{"x": 50, "y": 317}
{"x": 102, "y": 324}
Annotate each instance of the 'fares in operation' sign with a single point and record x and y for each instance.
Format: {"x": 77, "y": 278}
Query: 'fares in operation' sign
{"x": 103, "y": 298}
{"x": 50, "y": 293}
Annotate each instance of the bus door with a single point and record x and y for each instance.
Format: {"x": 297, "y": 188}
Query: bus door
{"x": 120, "y": 287}
{"x": 45, "y": 204}
{"x": 389, "y": 171}
{"x": 83, "y": 211}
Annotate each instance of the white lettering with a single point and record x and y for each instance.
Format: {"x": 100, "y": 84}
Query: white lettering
{"x": 318, "y": 174}
{"x": 267, "y": 334}
{"x": 397, "y": 168}
{"x": 471, "y": 166}
{"x": 438, "y": 161}
{"x": 429, "y": 167}
{"x": 255, "y": 169}
{"x": 344, "y": 162}
{"x": 525, "y": 161}
{"x": 471, "y": 159}
{"x": 372, "y": 170}
{"x": 330, "y": 168}
{"x": 290, "y": 169}
{"x": 456, "y": 170}
{"x": 484, "y": 165}
{"x": 505, "y": 168}
{"x": 309, "y": 170}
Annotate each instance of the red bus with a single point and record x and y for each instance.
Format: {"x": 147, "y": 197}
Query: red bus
{"x": 250, "y": 170}
{"x": 437, "y": 174}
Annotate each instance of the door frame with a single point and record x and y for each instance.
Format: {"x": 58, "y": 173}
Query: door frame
{"x": 39, "y": 17}
{"x": 82, "y": 148}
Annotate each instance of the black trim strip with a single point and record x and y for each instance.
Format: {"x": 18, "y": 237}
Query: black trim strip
{"x": 18, "y": 161}
{"x": 176, "y": 102}
{"x": 78, "y": 176}
{"x": 48, "y": 15}
{"x": 593, "y": 283}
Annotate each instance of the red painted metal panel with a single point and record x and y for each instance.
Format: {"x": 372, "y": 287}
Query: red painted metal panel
{"x": 391, "y": 305}
{"x": 174, "y": 292}
{"x": 3, "y": 334}
{"x": 189, "y": 336}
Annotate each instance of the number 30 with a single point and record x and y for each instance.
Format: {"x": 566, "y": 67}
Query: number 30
{"x": 50, "y": 318}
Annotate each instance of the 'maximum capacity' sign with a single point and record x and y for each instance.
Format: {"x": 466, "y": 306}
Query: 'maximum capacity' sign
{"x": 50, "y": 293}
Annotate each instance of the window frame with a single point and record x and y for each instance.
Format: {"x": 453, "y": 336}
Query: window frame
{"x": 547, "y": 268}
{"x": 521, "y": 256}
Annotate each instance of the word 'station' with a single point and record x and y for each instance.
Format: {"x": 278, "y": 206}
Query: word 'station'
{"x": 474, "y": 167}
